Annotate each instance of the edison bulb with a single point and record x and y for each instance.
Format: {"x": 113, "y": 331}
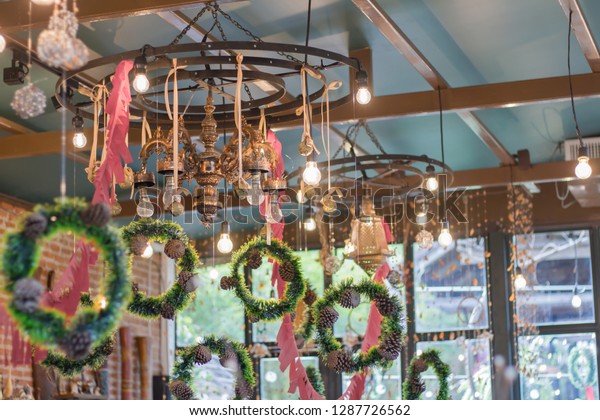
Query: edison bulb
{"x": 141, "y": 83}
{"x": 224, "y": 245}
{"x": 2, "y": 43}
{"x": 363, "y": 96}
{"x": 311, "y": 174}
{"x": 576, "y": 301}
{"x": 275, "y": 215}
{"x": 79, "y": 140}
{"x": 520, "y": 280}
{"x": 432, "y": 183}
{"x": 148, "y": 252}
{"x": 145, "y": 208}
{"x": 445, "y": 238}
{"x": 583, "y": 170}
{"x": 177, "y": 207}
{"x": 300, "y": 197}
{"x": 213, "y": 274}
{"x": 256, "y": 195}
{"x": 43, "y": 2}
{"x": 310, "y": 224}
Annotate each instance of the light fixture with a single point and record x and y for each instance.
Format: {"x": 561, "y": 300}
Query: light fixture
{"x": 363, "y": 95}
{"x": 310, "y": 224}
{"x": 102, "y": 302}
{"x": 445, "y": 237}
{"x": 144, "y": 208}
{"x": 2, "y": 43}
{"x": 431, "y": 183}
{"x": 225, "y": 246}
{"x": 421, "y": 206}
{"x": 141, "y": 82}
{"x": 274, "y": 215}
{"x": 576, "y": 299}
{"x": 256, "y": 195}
{"x": 79, "y": 139}
{"x": 148, "y": 252}
{"x": 520, "y": 281}
{"x": 311, "y": 174}
{"x": 213, "y": 274}
{"x": 583, "y": 170}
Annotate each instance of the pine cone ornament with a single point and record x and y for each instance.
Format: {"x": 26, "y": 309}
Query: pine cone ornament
{"x": 167, "y": 311}
{"x": 181, "y": 390}
{"x": 327, "y": 317}
{"x": 107, "y": 347}
{"x": 76, "y": 345}
{"x": 340, "y": 361}
{"x": 184, "y": 277}
{"x": 96, "y": 215}
{"x": 227, "y": 283}
{"x": 27, "y": 295}
{"x": 419, "y": 366}
{"x": 287, "y": 271}
{"x": 254, "y": 259}
{"x": 135, "y": 288}
{"x": 229, "y": 360}
{"x": 310, "y": 297}
{"x": 202, "y": 355}
{"x": 349, "y": 298}
{"x": 175, "y": 249}
{"x": 385, "y": 305}
{"x": 243, "y": 390}
{"x": 417, "y": 386}
{"x": 138, "y": 244}
{"x": 391, "y": 346}
{"x": 299, "y": 341}
{"x": 34, "y": 226}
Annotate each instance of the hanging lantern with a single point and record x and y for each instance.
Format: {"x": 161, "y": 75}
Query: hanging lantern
{"x": 369, "y": 248}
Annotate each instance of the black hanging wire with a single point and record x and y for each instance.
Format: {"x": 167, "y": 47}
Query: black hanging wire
{"x": 571, "y": 81}
{"x": 441, "y": 127}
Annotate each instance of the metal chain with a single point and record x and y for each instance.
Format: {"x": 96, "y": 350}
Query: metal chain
{"x": 189, "y": 26}
{"x": 247, "y": 89}
{"x": 373, "y": 137}
{"x": 215, "y": 16}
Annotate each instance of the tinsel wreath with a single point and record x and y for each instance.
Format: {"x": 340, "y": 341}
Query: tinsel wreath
{"x": 380, "y": 355}
{"x": 305, "y": 331}
{"x": 48, "y": 327}
{"x": 577, "y": 379}
{"x": 315, "y": 379}
{"x": 267, "y": 309}
{"x": 68, "y": 367}
{"x": 413, "y": 386}
{"x": 181, "y": 293}
{"x": 227, "y": 350}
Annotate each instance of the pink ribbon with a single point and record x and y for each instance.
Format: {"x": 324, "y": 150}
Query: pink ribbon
{"x": 589, "y": 393}
{"x": 19, "y": 351}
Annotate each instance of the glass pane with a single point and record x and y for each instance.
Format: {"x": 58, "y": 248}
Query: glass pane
{"x": 266, "y": 332}
{"x": 558, "y": 271}
{"x": 274, "y": 384}
{"x": 213, "y": 382}
{"x": 381, "y": 384}
{"x": 199, "y": 318}
{"x": 469, "y": 362}
{"x": 546, "y": 360}
{"x": 451, "y": 287}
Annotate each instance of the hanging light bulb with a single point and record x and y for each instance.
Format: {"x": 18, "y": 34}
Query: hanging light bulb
{"x": 421, "y": 206}
{"x": 431, "y": 183}
{"x": 170, "y": 190}
{"x": 2, "y": 43}
{"x": 102, "y": 302}
{"x": 310, "y": 224}
{"x": 445, "y": 238}
{"x": 311, "y": 174}
{"x": 363, "y": 95}
{"x": 300, "y": 196}
{"x": 213, "y": 274}
{"x": 225, "y": 245}
{"x": 583, "y": 170}
{"x": 79, "y": 139}
{"x": 256, "y": 195}
{"x": 144, "y": 208}
{"x": 576, "y": 299}
{"x": 275, "y": 215}
{"x": 148, "y": 252}
{"x": 520, "y": 281}
{"x": 177, "y": 208}
{"x": 141, "y": 83}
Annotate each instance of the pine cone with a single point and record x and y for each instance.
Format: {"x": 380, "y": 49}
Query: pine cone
{"x": 135, "y": 288}
{"x": 167, "y": 311}
{"x": 228, "y": 283}
{"x": 254, "y": 259}
{"x": 327, "y": 317}
{"x": 138, "y": 244}
{"x": 385, "y": 305}
{"x": 175, "y": 249}
{"x": 417, "y": 386}
{"x": 107, "y": 347}
{"x": 310, "y": 297}
{"x": 184, "y": 277}
{"x": 229, "y": 360}
{"x": 96, "y": 215}
{"x": 202, "y": 355}
{"x": 391, "y": 346}
{"x": 34, "y": 226}
{"x": 76, "y": 344}
{"x": 181, "y": 390}
{"x": 419, "y": 366}
{"x": 340, "y": 361}
{"x": 349, "y": 298}
{"x": 27, "y": 295}
{"x": 287, "y": 271}
{"x": 243, "y": 390}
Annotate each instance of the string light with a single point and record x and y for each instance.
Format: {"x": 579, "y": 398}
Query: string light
{"x": 148, "y": 252}
{"x": 225, "y": 245}
{"x": 363, "y": 95}
{"x": 520, "y": 281}
{"x": 583, "y": 170}
{"x": 431, "y": 183}
{"x": 311, "y": 174}
{"x": 79, "y": 139}
{"x": 141, "y": 82}
{"x": 213, "y": 274}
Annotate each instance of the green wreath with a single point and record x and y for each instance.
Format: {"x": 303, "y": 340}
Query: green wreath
{"x": 413, "y": 386}
{"x": 250, "y": 255}
{"x": 47, "y": 327}
{"x": 306, "y": 330}
{"x": 589, "y": 356}
{"x": 231, "y": 354}
{"x": 347, "y": 293}
{"x": 68, "y": 367}
{"x": 315, "y": 379}
{"x": 137, "y": 236}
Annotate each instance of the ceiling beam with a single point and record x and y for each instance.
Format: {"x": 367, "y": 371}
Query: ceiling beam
{"x": 13, "y": 127}
{"x": 14, "y": 15}
{"x": 374, "y": 12}
{"x": 583, "y": 33}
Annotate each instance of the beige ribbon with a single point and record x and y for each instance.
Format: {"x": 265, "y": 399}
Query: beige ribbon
{"x": 98, "y": 97}
{"x": 238, "y": 120}
{"x": 174, "y": 116}
{"x": 335, "y": 85}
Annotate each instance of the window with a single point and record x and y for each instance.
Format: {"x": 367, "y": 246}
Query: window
{"x": 381, "y": 384}
{"x": 274, "y": 384}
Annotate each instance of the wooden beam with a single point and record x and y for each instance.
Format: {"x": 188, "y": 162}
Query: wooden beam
{"x": 372, "y": 10}
{"x": 13, "y": 127}
{"x": 582, "y": 32}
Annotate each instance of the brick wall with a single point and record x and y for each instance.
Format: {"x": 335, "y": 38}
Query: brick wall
{"x": 146, "y": 273}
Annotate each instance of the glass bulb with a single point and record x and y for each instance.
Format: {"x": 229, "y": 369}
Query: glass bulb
{"x": 432, "y": 183}
{"x": 275, "y": 215}
{"x": 421, "y": 207}
{"x": 102, "y": 302}
{"x": 583, "y": 170}
{"x": 148, "y": 252}
{"x": 43, "y": 2}
{"x": 520, "y": 281}
{"x": 363, "y": 96}
{"x": 141, "y": 83}
{"x": 213, "y": 274}
{"x": 177, "y": 208}
{"x": 256, "y": 195}
{"x": 310, "y": 224}
{"x": 445, "y": 238}
{"x": 2, "y": 43}
{"x": 224, "y": 245}
{"x": 311, "y": 174}
{"x": 116, "y": 209}
{"x": 576, "y": 301}
{"x": 300, "y": 197}
{"x": 79, "y": 140}
{"x": 169, "y": 191}
{"x": 145, "y": 208}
